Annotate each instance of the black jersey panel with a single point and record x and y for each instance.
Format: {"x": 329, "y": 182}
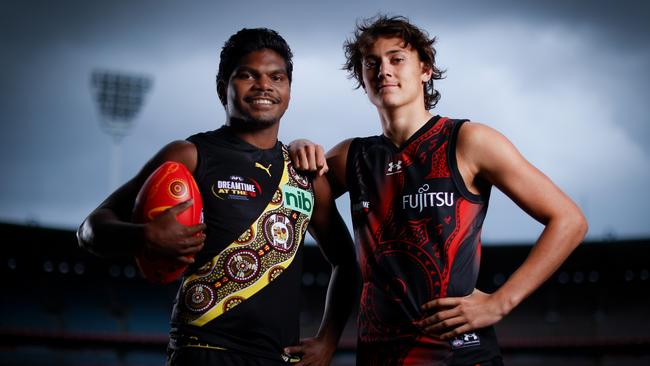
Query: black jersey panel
{"x": 241, "y": 293}
{"x": 453, "y": 166}
{"x": 417, "y": 231}
{"x": 236, "y": 181}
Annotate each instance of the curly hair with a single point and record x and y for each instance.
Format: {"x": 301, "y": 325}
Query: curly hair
{"x": 244, "y": 42}
{"x": 370, "y": 29}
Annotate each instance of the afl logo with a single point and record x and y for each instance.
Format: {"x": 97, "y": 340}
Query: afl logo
{"x": 456, "y": 343}
{"x": 466, "y": 340}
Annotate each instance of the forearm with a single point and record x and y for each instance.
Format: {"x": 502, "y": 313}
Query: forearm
{"x": 103, "y": 233}
{"x": 340, "y": 298}
{"x": 558, "y": 239}
{"x": 333, "y": 237}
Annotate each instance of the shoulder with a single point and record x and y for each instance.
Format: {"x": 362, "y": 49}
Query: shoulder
{"x": 338, "y": 155}
{"x": 356, "y": 145}
{"x": 179, "y": 148}
{"x": 341, "y": 148}
{"x": 181, "y": 151}
{"x": 486, "y": 151}
{"x": 216, "y": 136}
{"x": 475, "y": 137}
{"x": 471, "y": 131}
{"x": 337, "y": 159}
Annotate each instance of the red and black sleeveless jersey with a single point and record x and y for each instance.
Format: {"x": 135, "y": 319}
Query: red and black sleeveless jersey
{"x": 417, "y": 229}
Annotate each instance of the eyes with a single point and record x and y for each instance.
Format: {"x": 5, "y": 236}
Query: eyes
{"x": 371, "y": 62}
{"x": 244, "y": 75}
{"x": 276, "y": 77}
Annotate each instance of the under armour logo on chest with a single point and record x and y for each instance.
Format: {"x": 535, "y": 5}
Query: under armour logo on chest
{"x": 394, "y": 168}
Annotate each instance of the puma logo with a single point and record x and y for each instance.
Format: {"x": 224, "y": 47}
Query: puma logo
{"x": 266, "y": 169}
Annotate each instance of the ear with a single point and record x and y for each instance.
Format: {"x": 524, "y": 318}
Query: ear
{"x": 222, "y": 93}
{"x": 426, "y": 72}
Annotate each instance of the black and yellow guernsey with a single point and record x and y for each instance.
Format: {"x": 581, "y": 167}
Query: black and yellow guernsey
{"x": 241, "y": 293}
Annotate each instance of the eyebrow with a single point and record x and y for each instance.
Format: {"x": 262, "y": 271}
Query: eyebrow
{"x": 390, "y": 52}
{"x": 256, "y": 71}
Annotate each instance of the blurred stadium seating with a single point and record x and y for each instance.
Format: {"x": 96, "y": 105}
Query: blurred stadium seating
{"x": 63, "y": 306}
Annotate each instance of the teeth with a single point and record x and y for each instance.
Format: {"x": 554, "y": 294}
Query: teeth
{"x": 261, "y": 101}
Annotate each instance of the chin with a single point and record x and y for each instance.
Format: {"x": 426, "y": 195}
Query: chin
{"x": 386, "y": 104}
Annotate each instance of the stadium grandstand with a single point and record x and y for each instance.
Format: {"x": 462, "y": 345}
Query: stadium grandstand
{"x": 63, "y": 306}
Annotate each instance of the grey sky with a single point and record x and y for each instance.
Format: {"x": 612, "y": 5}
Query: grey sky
{"x": 566, "y": 81}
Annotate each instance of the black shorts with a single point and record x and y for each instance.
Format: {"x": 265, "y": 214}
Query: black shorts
{"x": 497, "y": 361}
{"x": 198, "y": 356}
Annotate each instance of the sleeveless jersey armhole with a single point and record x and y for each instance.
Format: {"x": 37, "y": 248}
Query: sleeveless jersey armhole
{"x": 199, "y": 171}
{"x": 453, "y": 165}
{"x": 350, "y": 175}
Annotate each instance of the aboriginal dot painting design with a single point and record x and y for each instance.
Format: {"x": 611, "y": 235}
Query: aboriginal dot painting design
{"x": 258, "y": 256}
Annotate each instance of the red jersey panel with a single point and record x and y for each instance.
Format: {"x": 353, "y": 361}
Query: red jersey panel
{"x": 417, "y": 230}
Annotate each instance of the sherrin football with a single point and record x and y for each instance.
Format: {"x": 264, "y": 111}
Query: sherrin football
{"x": 171, "y": 184}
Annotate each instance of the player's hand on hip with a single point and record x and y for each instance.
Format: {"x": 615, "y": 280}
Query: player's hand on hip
{"x": 308, "y": 156}
{"x": 313, "y": 351}
{"x": 166, "y": 236}
{"x": 449, "y": 317}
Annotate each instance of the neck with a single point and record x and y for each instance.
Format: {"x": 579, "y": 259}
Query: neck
{"x": 401, "y": 123}
{"x": 261, "y": 137}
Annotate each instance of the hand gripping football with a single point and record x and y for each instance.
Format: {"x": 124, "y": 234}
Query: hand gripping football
{"x": 171, "y": 184}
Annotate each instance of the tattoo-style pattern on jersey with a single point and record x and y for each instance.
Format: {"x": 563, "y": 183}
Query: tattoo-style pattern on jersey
{"x": 417, "y": 229}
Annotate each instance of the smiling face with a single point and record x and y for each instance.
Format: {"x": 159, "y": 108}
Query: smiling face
{"x": 258, "y": 90}
{"x": 393, "y": 75}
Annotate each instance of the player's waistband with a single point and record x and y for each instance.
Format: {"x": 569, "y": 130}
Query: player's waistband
{"x": 191, "y": 341}
{"x": 183, "y": 341}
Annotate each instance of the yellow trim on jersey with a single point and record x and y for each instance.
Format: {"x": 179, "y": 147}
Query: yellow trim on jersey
{"x": 216, "y": 285}
{"x": 245, "y": 293}
{"x": 204, "y": 346}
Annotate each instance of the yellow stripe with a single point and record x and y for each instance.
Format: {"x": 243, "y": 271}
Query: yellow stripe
{"x": 263, "y": 278}
{"x": 247, "y": 292}
{"x": 269, "y": 207}
{"x": 204, "y": 346}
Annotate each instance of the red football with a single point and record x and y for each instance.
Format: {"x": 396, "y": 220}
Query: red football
{"x": 166, "y": 187}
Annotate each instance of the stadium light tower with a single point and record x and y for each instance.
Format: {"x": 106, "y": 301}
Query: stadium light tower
{"x": 119, "y": 97}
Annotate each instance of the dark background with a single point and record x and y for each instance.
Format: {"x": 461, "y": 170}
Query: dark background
{"x": 566, "y": 81}
{"x": 62, "y": 306}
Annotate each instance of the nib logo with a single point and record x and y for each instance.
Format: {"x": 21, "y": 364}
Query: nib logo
{"x": 298, "y": 199}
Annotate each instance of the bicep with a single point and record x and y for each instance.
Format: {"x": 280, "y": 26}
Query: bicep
{"x": 502, "y": 165}
{"x": 337, "y": 162}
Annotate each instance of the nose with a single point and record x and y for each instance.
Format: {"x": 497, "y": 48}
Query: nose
{"x": 262, "y": 83}
{"x": 384, "y": 70}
